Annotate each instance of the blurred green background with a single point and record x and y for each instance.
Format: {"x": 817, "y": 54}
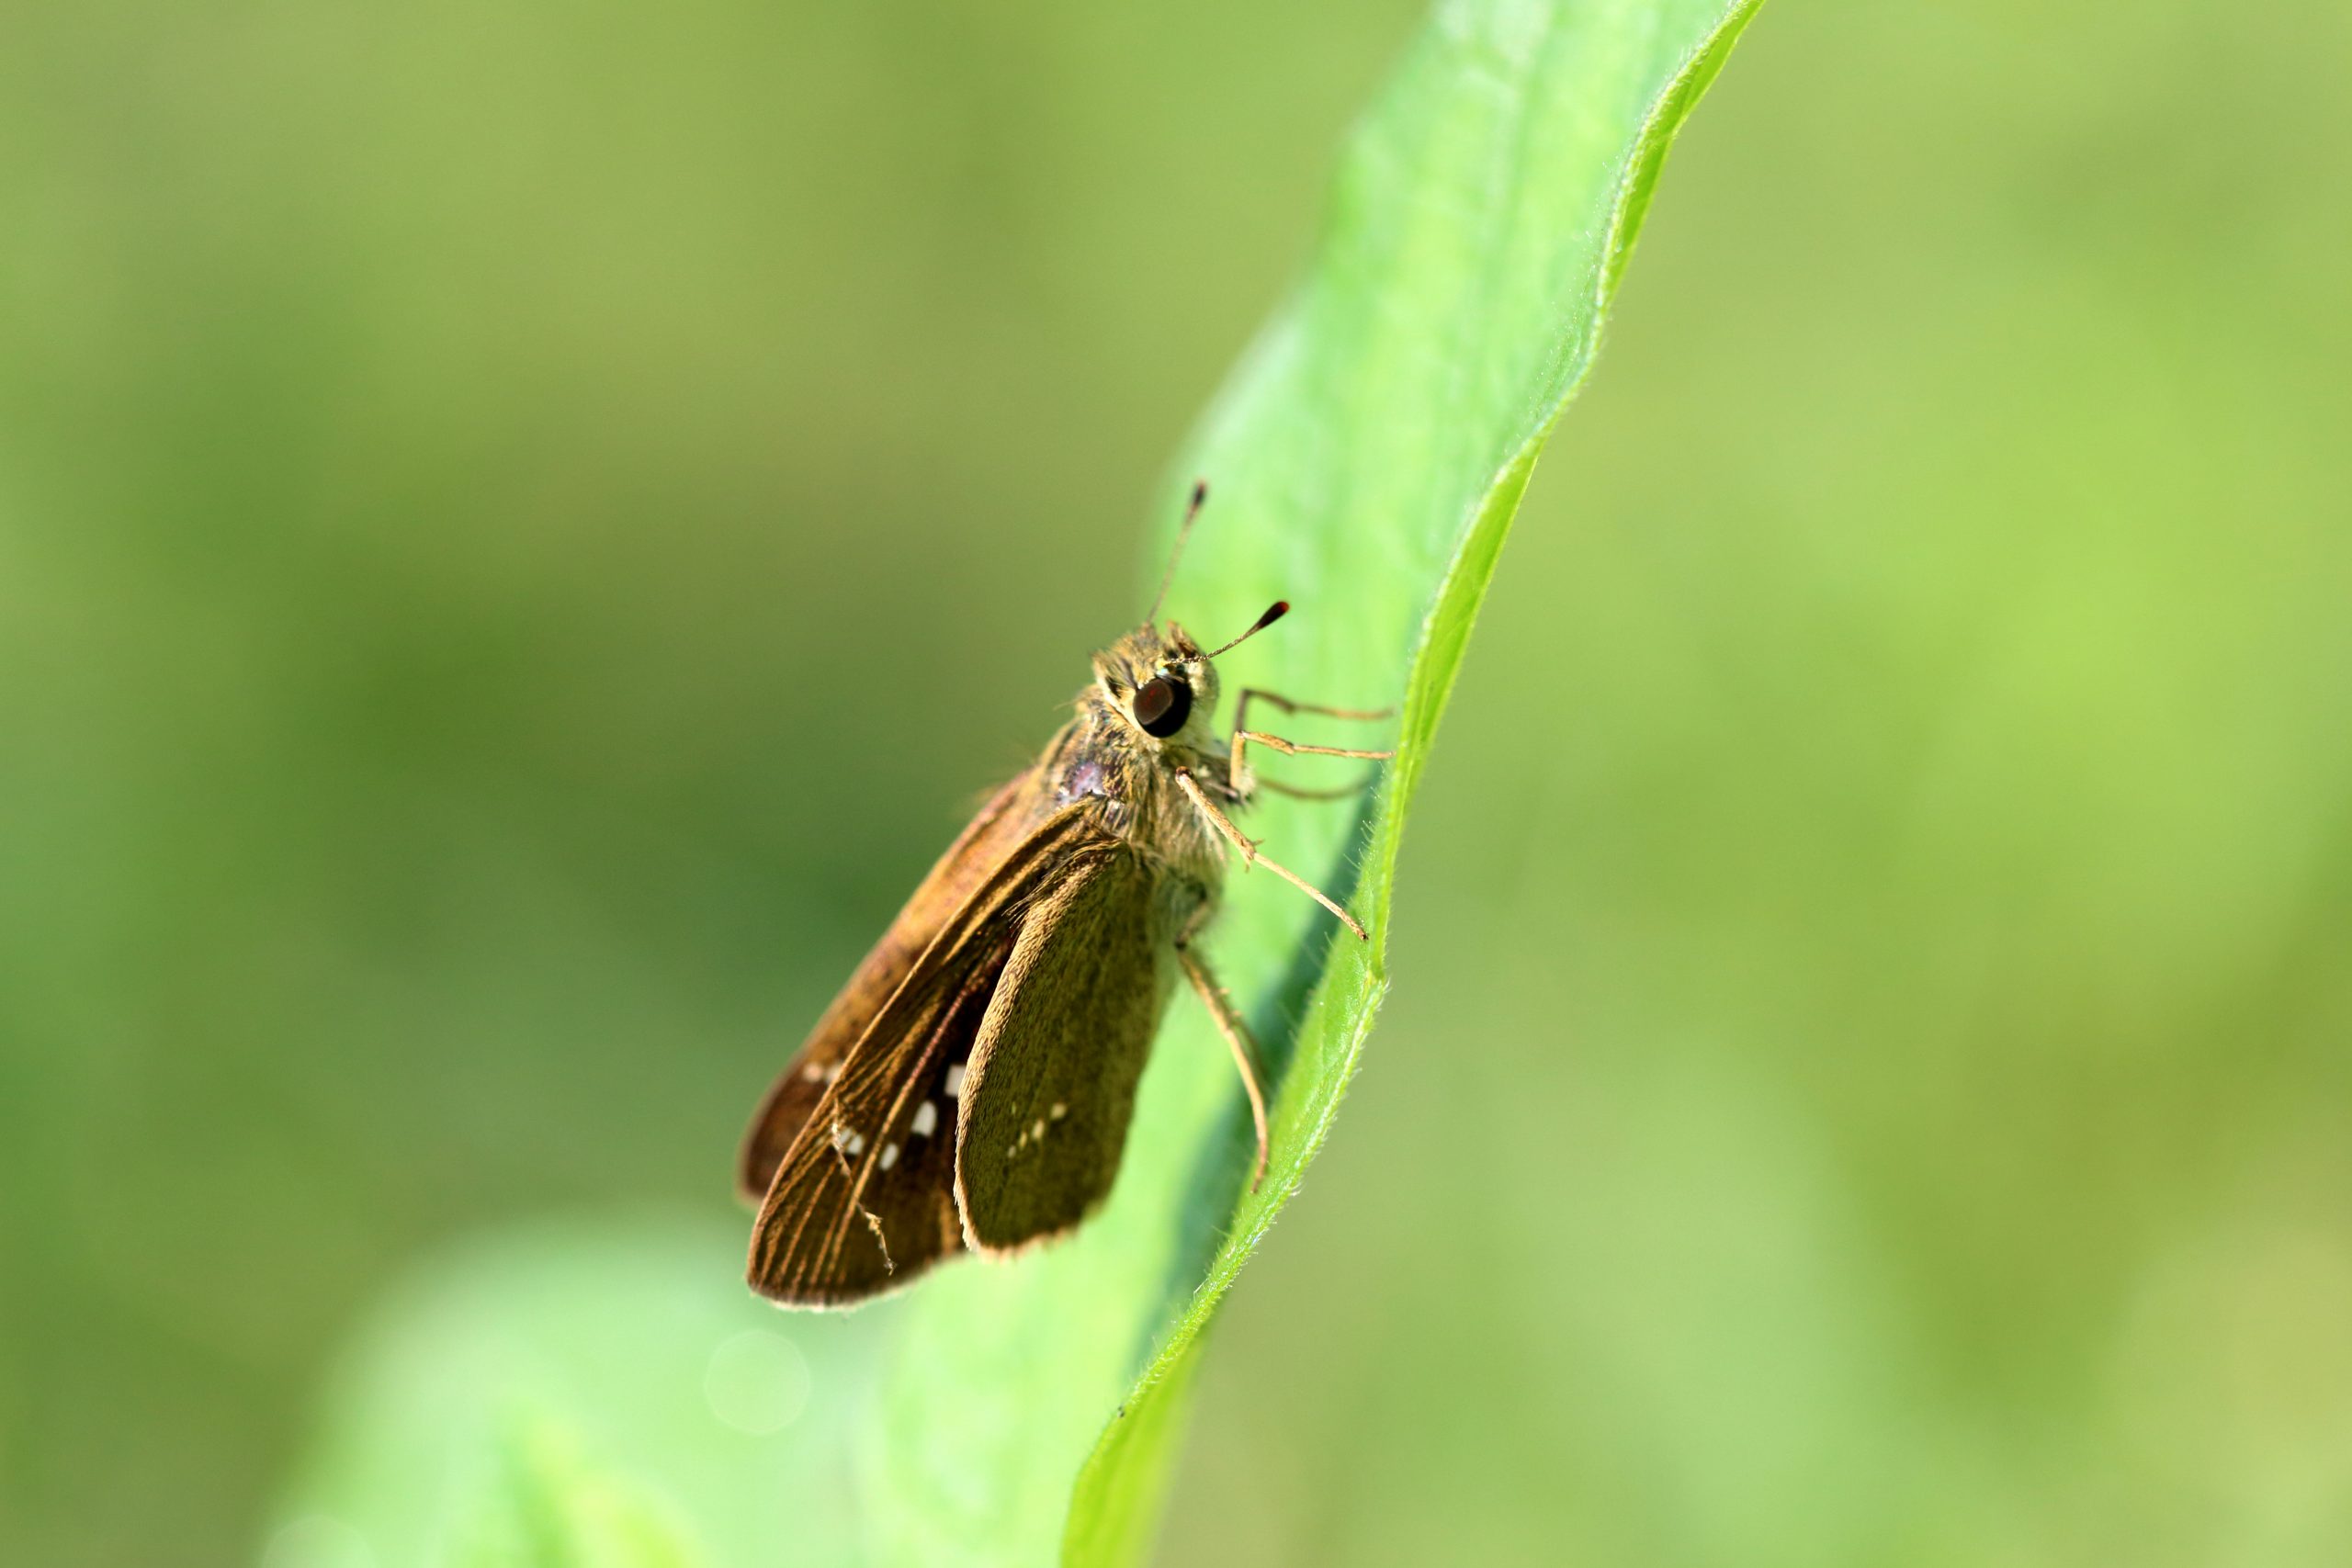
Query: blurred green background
{"x": 520, "y": 527}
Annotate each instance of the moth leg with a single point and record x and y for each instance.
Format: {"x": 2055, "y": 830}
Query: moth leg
{"x": 1249, "y": 856}
{"x": 1289, "y": 705}
{"x": 1345, "y": 791}
{"x": 1243, "y": 735}
{"x": 1236, "y": 1035}
{"x": 1292, "y": 748}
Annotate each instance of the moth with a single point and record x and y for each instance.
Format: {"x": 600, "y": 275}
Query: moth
{"x": 970, "y": 1087}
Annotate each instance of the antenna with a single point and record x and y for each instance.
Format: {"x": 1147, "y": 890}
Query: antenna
{"x": 1274, "y": 612}
{"x": 1183, "y": 532}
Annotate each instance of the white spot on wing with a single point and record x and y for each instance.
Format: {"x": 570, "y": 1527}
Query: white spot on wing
{"x": 926, "y": 1118}
{"x": 955, "y": 1080}
{"x": 855, "y": 1146}
{"x": 889, "y": 1156}
{"x": 1037, "y": 1130}
{"x": 1059, "y": 1110}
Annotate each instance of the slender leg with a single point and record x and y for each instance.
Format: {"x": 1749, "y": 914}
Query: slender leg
{"x": 1249, "y": 856}
{"x": 1243, "y": 735}
{"x": 1292, "y": 748}
{"x": 1236, "y": 1035}
{"x": 1259, "y": 694}
{"x": 1345, "y": 791}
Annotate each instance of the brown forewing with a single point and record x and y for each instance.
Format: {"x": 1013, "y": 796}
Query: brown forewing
{"x": 863, "y": 1199}
{"x": 974, "y": 856}
{"x": 1052, "y": 1083}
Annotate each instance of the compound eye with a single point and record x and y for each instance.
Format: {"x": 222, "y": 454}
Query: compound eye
{"x": 1162, "y": 705}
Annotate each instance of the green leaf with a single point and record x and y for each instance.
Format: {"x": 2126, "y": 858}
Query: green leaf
{"x": 586, "y": 1397}
{"x": 547, "y": 1505}
{"x": 1366, "y": 463}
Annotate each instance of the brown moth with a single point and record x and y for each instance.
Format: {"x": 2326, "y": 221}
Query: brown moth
{"x": 971, "y": 1085}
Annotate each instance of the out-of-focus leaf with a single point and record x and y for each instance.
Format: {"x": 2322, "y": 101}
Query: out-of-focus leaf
{"x": 543, "y": 1505}
{"x": 586, "y": 1397}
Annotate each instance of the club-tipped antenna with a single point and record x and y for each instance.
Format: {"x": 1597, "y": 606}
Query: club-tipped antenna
{"x": 1183, "y": 532}
{"x": 1274, "y": 612}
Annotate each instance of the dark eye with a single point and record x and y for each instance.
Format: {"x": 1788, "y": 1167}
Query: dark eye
{"x": 1162, "y": 705}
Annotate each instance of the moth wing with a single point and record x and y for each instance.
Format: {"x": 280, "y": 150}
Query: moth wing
{"x": 1052, "y": 1084}
{"x": 974, "y": 856}
{"x": 862, "y": 1200}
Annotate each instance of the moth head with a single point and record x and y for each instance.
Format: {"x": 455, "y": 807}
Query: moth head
{"x": 1165, "y": 704}
{"x": 1174, "y": 683}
